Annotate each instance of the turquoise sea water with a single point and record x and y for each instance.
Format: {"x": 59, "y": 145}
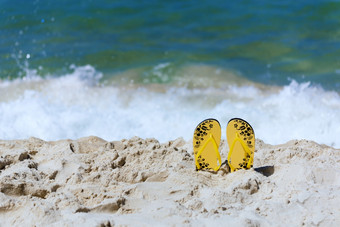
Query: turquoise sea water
{"x": 265, "y": 41}
{"x": 117, "y": 69}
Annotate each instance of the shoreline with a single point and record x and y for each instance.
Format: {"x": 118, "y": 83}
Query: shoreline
{"x": 93, "y": 182}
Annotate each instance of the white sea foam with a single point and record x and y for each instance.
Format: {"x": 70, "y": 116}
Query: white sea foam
{"x": 74, "y": 106}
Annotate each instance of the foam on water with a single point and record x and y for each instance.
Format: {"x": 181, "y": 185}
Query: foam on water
{"x": 76, "y": 105}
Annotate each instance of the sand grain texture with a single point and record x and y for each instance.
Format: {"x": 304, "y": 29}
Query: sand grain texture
{"x": 137, "y": 182}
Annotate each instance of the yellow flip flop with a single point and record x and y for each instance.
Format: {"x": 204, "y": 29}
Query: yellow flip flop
{"x": 207, "y": 137}
{"x": 241, "y": 140}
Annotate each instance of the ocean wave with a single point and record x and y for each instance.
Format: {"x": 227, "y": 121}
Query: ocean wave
{"x": 79, "y": 104}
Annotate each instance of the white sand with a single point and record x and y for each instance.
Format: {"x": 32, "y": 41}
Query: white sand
{"x": 92, "y": 182}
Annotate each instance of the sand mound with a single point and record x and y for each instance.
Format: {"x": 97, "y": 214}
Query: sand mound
{"x": 92, "y": 182}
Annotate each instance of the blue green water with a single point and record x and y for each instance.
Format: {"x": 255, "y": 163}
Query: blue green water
{"x": 265, "y": 41}
{"x": 118, "y": 69}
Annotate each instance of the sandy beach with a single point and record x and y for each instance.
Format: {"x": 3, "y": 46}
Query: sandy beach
{"x": 141, "y": 182}
{"x": 99, "y": 101}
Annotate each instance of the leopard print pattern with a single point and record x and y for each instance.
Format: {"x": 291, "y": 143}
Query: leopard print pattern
{"x": 247, "y": 134}
{"x": 202, "y": 131}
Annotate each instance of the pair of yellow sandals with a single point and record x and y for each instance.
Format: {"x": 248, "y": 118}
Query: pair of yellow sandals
{"x": 241, "y": 140}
